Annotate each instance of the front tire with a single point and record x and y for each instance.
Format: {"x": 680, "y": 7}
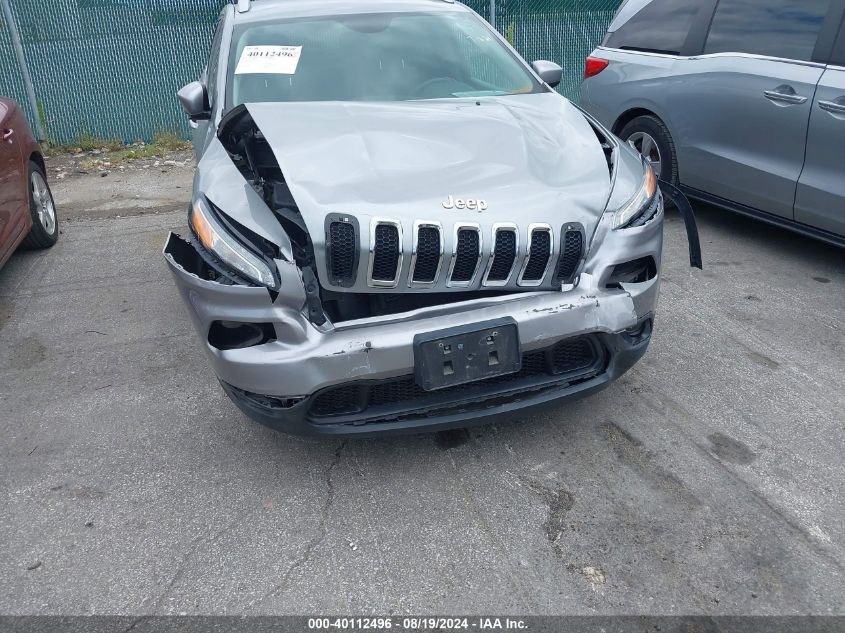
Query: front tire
{"x": 42, "y": 208}
{"x": 651, "y": 138}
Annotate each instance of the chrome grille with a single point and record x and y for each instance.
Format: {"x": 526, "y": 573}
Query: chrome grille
{"x": 459, "y": 255}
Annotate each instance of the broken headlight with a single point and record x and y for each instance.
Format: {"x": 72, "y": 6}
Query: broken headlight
{"x": 639, "y": 203}
{"x": 213, "y": 236}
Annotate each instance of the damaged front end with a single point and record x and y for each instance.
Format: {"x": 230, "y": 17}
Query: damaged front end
{"x": 357, "y": 377}
{"x": 316, "y": 260}
{"x": 245, "y": 271}
{"x": 253, "y": 157}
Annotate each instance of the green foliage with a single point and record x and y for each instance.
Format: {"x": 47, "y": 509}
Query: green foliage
{"x": 115, "y": 151}
{"x": 45, "y": 124}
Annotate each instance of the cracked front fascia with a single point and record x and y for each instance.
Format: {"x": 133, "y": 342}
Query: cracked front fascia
{"x": 242, "y": 302}
{"x": 226, "y": 188}
{"x": 611, "y": 247}
{"x": 310, "y": 359}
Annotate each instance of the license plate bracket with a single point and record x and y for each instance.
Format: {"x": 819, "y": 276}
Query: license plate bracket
{"x": 466, "y": 354}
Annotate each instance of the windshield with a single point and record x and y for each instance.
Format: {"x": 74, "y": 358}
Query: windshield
{"x": 372, "y": 57}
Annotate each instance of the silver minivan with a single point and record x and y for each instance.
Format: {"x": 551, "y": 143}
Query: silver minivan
{"x": 741, "y": 102}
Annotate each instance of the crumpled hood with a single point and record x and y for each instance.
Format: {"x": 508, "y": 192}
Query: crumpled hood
{"x": 532, "y": 158}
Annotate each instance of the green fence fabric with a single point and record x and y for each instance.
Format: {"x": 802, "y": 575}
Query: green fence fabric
{"x": 11, "y": 82}
{"x": 110, "y": 68}
{"x": 562, "y": 31}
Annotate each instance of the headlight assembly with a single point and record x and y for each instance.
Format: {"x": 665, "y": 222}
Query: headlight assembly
{"x": 639, "y": 203}
{"x": 231, "y": 252}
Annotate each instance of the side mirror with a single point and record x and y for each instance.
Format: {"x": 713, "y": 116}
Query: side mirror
{"x": 194, "y": 100}
{"x": 548, "y": 71}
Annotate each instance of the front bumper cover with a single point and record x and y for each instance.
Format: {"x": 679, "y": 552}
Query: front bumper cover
{"x": 486, "y": 406}
{"x": 306, "y": 359}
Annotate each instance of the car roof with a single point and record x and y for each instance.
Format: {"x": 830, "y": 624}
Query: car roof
{"x": 262, "y": 10}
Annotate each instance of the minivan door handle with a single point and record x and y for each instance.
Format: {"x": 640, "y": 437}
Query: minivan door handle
{"x": 832, "y": 107}
{"x": 785, "y": 94}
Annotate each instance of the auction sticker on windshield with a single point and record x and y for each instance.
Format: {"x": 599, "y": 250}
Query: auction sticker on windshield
{"x": 270, "y": 60}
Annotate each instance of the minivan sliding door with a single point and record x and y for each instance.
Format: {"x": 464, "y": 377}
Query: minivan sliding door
{"x": 743, "y": 107}
{"x": 820, "y": 200}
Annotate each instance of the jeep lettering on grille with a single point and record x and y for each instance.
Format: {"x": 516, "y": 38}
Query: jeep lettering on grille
{"x": 465, "y": 203}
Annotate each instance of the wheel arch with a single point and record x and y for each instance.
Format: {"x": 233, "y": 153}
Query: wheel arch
{"x": 38, "y": 159}
{"x": 38, "y": 235}
{"x": 632, "y": 113}
{"x": 641, "y": 110}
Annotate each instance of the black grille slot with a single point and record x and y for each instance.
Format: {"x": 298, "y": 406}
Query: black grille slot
{"x": 580, "y": 358}
{"x": 342, "y": 253}
{"x": 386, "y": 253}
{"x": 504, "y": 255}
{"x": 573, "y": 354}
{"x": 466, "y": 255}
{"x": 538, "y": 256}
{"x": 571, "y": 248}
{"x": 341, "y": 400}
{"x": 428, "y": 255}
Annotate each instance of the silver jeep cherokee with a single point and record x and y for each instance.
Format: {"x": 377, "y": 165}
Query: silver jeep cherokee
{"x": 398, "y": 225}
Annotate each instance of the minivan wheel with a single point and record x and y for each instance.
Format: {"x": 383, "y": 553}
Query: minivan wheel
{"x": 651, "y": 138}
{"x": 45, "y": 223}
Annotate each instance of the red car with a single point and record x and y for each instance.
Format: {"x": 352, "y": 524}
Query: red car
{"x": 27, "y": 211}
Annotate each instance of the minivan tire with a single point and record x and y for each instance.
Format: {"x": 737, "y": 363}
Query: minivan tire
{"x": 657, "y": 130}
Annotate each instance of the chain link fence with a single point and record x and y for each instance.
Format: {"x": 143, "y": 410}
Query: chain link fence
{"x": 110, "y": 68}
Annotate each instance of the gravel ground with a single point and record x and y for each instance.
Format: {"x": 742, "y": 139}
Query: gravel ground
{"x": 708, "y": 480}
{"x": 107, "y": 189}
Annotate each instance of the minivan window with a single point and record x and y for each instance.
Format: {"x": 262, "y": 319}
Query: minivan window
{"x": 775, "y": 28}
{"x": 661, "y": 26}
{"x": 837, "y": 58}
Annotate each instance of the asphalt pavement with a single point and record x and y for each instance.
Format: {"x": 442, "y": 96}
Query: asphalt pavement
{"x": 707, "y": 480}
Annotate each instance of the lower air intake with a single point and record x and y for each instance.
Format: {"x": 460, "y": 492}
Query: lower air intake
{"x": 570, "y": 361}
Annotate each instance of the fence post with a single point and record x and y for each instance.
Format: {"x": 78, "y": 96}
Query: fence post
{"x": 493, "y": 13}
{"x": 27, "y": 78}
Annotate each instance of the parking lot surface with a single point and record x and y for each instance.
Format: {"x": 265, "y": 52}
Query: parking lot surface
{"x": 708, "y": 480}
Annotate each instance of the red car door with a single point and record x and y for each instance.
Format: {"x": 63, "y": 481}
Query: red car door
{"x": 13, "y": 188}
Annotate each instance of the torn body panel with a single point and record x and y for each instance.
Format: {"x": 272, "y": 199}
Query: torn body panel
{"x": 211, "y": 300}
{"x": 225, "y": 187}
{"x": 531, "y": 159}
